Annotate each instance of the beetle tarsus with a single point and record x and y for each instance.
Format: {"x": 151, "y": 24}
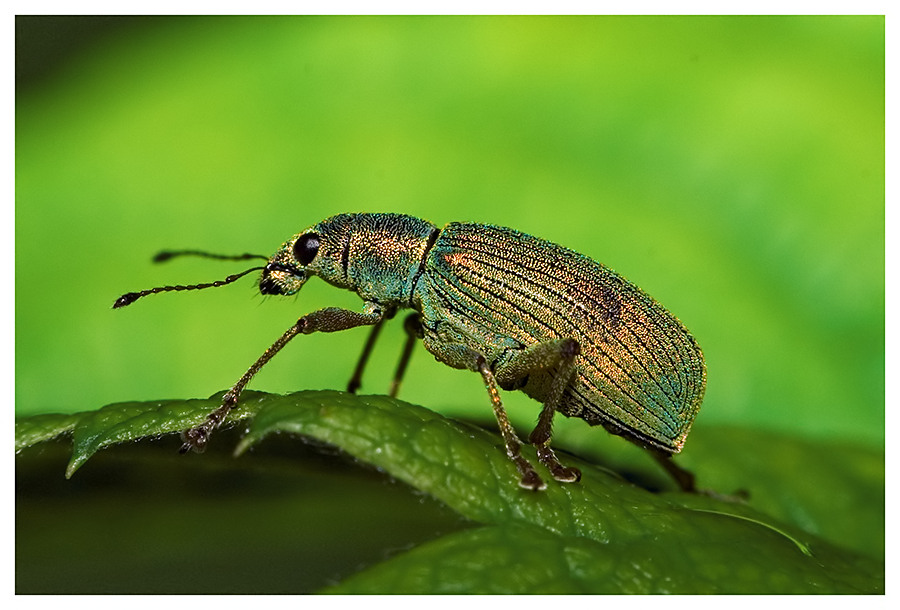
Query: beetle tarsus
{"x": 194, "y": 439}
{"x": 563, "y": 474}
{"x": 531, "y": 480}
{"x": 566, "y": 474}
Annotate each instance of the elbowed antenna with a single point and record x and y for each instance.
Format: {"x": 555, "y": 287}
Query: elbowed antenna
{"x": 170, "y": 254}
{"x": 130, "y": 297}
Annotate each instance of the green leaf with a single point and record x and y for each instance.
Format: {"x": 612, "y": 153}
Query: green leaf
{"x": 601, "y": 535}
{"x": 835, "y": 490}
{"x": 521, "y": 559}
{"x": 39, "y": 428}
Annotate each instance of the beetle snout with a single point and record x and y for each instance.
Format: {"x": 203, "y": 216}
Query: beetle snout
{"x": 268, "y": 285}
{"x": 278, "y": 278}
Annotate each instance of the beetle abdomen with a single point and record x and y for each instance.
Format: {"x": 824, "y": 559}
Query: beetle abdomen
{"x": 640, "y": 372}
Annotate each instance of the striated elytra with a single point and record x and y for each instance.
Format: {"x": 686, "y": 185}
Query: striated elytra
{"x": 522, "y": 312}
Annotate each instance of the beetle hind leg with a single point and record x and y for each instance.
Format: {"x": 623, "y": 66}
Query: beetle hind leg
{"x": 561, "y": 354}
{"x": 684, "y": 478}
{"x": 461, "y": 356}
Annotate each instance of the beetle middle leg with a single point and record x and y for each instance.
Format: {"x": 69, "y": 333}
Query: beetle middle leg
{"x": 559, "y": 353}
{"x": 413, "y": 327}
{"x": 356, "y": 380}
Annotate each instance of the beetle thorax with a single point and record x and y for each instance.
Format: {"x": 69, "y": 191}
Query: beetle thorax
{"x": 379, "y": 256}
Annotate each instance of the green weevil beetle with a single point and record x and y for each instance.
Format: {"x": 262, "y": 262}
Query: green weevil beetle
{"x": 522, "y": 312}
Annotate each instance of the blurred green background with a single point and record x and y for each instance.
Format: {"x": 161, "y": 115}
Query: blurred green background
{"x": 732, "y": 167}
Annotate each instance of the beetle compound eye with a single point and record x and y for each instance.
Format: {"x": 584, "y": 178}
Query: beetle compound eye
{"x": 306, "y": 247}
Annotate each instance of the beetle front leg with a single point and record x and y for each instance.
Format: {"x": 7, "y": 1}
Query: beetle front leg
{"x": 327, "y": 320}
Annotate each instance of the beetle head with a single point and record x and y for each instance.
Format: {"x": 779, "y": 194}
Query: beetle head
{"x": 291, "y": 266}
{"x": 321, "y": 249}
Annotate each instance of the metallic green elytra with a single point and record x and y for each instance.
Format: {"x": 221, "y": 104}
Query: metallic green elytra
{"x": 524, "y": 313}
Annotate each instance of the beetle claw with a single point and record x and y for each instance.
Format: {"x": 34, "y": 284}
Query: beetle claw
{"x": 531, "y": 480}
{"x": 194, "y": 440}
{"x": 565, "y": 474}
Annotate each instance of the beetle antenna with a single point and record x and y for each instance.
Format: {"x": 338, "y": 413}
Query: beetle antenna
{"x": 169, "y": 254}
{"x": 131, "y": 297}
